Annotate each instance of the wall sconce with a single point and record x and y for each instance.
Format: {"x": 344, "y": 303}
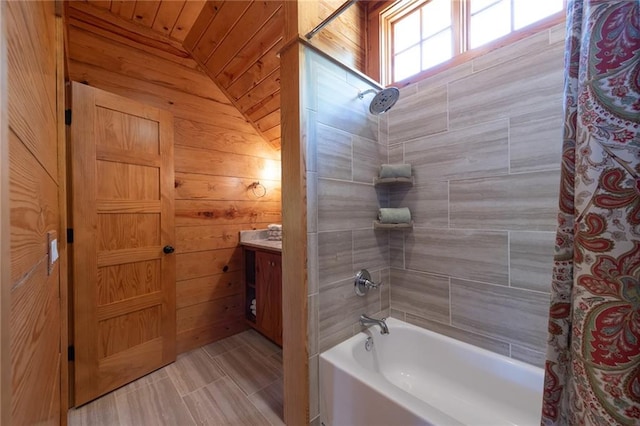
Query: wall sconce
{"x": 258, "y": 189}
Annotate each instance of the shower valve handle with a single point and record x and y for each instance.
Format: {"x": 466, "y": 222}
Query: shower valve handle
{"x": 363, "y": 283}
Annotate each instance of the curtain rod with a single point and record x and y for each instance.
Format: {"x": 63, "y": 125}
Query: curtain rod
{"x": 330, "y": 18}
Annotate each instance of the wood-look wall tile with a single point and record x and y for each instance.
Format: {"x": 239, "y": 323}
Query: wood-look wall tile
{"x": 428, "y": 203}
{"x": 334, "y": 153}
{"x": 396, "y": 154}
{"x": 270, "y": 402}
{"x": 420, "y": 294}
{"x": 529, "y": 356}
{"x": 309, "y": 85}
{"x": 535, "y": 139}
{"x": 312, "y": 323}
{"x": 313, "y": 275}
{"x": 525, "y": 202}
{"x": 394, "y": 313}
{"x": 101, "y": 412}
{"x": 312, "y": 140}
{"x": 340, "y": 308}
{"x": 517, "y": 316}
{"x": 155, "y": 404}
{"x": 336, "y": 336}
{"x": 473, "y": 255}
{"x": 367, "y": 157}
{"x": 370, "y": 250}
{"x": 396, "y": 249}
{"x": 383, "y": 194}
{"x": 557, "y": 33}
{"x": 409, "y": 90}
{"x": 531, "y": 260}
{"x": 527, "y": 46}
{"x": 250, "y": 370}
{"x": 346, "y": 205}
{"x": 312, "y": 202}
{"x": 340, "y": 107}
{"x": 223, "y": 403}
{"x": 192, "y": 371}
{"x": 418, "y": 115}
{"x": 474, "y": 339}
{"x": 514, "y": 88}
{"x": 325, "y": 65}
{"x": 383, "y": 129}
{"x": 314, "y": 386}
{"x": 447, "y": 76}
{"x": 476, "y": 151}
{"x": 385, "y": 290}
{"x": 335, "y": 256}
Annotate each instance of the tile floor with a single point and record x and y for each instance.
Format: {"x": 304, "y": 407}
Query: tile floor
{"x": 235, "y": 381}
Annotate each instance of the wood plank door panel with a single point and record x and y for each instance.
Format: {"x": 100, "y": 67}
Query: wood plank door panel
{"x": 123, "y": 213}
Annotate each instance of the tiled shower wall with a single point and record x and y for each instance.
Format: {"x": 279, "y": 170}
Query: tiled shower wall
{"x": 343, "y": 155}
{"x": 484, "y": 140}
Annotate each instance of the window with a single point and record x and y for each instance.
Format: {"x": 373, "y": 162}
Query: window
{"x": 421, "y": 34}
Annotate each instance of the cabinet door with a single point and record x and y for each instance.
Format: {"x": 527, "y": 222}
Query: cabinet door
{"x": 269, "y": 294}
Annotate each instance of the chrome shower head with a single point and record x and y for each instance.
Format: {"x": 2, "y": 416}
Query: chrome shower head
{"x": 383, "y": 100}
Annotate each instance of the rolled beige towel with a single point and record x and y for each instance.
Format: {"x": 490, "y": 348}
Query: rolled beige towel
{"x": 395, "y": 170}
{"x": 400, "y": 215}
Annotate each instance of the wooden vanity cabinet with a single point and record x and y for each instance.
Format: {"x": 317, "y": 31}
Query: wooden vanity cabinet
{"x": 263, "y": 281}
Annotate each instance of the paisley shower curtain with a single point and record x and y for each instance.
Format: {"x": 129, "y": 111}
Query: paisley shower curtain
{"x": 592, "y": 372}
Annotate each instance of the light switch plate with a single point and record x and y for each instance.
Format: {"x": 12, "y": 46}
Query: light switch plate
{"x": 52, "y": 244}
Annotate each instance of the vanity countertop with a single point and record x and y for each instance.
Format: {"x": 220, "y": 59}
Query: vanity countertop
{"x": 258, "y": 239}
{"x": 264, "y": 244}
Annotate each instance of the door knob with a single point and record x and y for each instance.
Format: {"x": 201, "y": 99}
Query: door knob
{"x": 168, "y": 249}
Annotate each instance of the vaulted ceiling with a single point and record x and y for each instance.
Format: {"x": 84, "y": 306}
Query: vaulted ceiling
{"x": 235, "y": 42}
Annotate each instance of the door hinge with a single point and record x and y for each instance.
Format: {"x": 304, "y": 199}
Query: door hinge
{"x": 69, "y": 235}
{"x": 67, "y": 117}
{"x": 71, "y": 353}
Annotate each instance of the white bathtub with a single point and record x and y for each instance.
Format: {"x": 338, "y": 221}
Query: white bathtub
{"x": 413, "y": 376}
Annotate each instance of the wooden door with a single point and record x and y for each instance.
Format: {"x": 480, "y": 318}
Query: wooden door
{"x": 123, "y": 221}
{"x": 269, "y": 294}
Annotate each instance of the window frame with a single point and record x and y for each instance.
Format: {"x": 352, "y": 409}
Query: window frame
{"x": 384, "y": 14}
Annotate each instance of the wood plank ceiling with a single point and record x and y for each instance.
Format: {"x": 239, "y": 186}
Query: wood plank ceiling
{"x": 236, "y": 42}
{"x": 173, "y": 18}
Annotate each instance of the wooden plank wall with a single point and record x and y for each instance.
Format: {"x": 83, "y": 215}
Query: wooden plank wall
{"x": 35, "y": 211}
{"x": 345, "y": 37}
{"x": 217, "y": 156}
{"x": 5, "y": 290}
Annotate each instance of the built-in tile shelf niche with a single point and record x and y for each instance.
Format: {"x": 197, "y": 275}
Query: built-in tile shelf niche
{"x": 393, "y": 182}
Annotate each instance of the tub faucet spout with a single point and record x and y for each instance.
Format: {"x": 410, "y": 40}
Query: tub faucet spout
{"x": 365, "y": 321}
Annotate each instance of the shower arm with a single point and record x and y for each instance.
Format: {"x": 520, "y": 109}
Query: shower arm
{"x": 361, "y": 94}
{"x": 329, "y": 18}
